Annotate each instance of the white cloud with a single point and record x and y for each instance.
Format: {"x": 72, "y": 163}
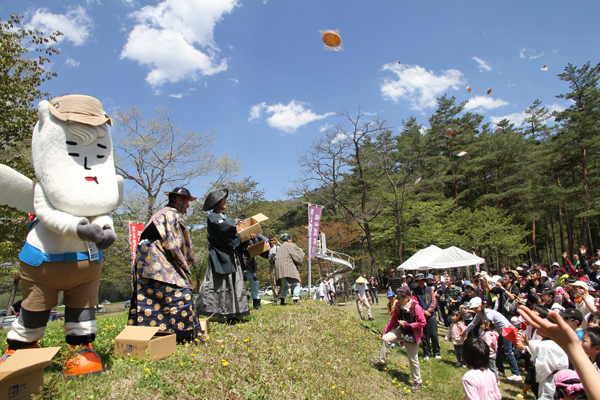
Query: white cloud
{"x": 72, "y": 63}
{"x": 484, "y": 102}
{"x": 129, "y": 3}
{"x": 324, "y": 128}
{"x": 177, "y": 96}
{"x": 75, "y": 24}
{"x": 423, "y": 130}
{"x": 518, "y": 118}
{"x": 417, "y": 85}
{"x": 175, "y": 39}
{"x": 533, "y": 57}
{"x": 482, "y": 64}
{"x": 286, "y": 118}
{"x": 234, "y": 80}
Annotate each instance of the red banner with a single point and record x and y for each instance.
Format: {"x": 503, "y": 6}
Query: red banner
{"x": 135, "y": 230}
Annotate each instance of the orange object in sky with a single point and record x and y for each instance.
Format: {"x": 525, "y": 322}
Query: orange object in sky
{"x": 469, "y": 89}
{"x": 331, "y": 38}
{"x": 449, "y": 132}
{"x": 489, "y": 91}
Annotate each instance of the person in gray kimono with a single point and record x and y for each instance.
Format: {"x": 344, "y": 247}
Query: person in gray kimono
{"x": 287, "y": 260}
{"x": 223, "y": 293}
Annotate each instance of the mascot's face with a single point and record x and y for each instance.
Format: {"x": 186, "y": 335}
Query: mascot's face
{"x": 74, "y": 163}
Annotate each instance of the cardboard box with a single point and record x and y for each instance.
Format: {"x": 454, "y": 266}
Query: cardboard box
{"x": 253, "y": 227}
{"x": 205, "y": 325}
{"x": 258, "y": 248}
{"x": 135, "y": 340}
{"x": 22, "y": 375}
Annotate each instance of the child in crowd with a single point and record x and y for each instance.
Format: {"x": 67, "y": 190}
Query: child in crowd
{"x": 568, "y": 386}
{"x": 455, "y": 335}
{"x": 479, "y": 383}
{"x": 593, "y": 321}
{"x": 391, "y": 302}
{"x": 591, "y": 345}
{"x": 490, "y": 336}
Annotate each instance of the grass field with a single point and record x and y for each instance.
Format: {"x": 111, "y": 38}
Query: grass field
{"x": 307, "y": 351}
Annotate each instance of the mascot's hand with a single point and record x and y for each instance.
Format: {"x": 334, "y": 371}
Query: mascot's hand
{"x": 109, "y": 238}
{"x": 89, "y": 232}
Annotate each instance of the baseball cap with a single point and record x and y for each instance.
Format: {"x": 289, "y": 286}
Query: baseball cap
{"x": 79, "y": 108}
{"x": 475, "y": 302}
{"x": 555, "y": 264}
{"x": 430, "y": 276}
{"x": 580, "y": 284}
{"x": 572, "y": 313}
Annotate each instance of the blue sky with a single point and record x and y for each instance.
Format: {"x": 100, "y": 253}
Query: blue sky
{"x": 258, "y": 73}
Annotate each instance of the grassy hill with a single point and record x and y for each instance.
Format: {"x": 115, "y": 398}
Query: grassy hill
{"x": 307, "y": 351}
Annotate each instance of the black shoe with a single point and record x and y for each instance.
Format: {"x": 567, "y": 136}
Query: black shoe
{"x": 282, "y": 302}
{"x": 256, "y": 304}
{"x": 295, "y": 301}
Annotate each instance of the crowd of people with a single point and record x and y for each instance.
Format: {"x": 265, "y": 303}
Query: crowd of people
{"x": 544, "y": 321}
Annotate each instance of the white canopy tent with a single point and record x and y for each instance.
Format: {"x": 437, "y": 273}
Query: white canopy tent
{"x": 433, "y": 257}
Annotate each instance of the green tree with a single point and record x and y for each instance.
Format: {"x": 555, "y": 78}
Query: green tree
{"x": 578, "y": 140}
{"x": 23, "y": 68}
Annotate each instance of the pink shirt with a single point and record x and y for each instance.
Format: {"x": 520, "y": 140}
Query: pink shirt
{"x": 454, "y": 333}
{"x": 480, "y": 385}
{"x": 491, "y": 338}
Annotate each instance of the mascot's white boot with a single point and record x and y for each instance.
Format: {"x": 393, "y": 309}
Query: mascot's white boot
{"x": 77, "y": 190}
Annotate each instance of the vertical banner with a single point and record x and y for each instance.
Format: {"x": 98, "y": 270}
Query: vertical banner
{"x": 135, "y": 230}
{"x": 478, "y": 266}
{"x": 314, "y": 223}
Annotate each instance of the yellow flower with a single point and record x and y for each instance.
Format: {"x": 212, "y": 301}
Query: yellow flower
{"x": 224, "y": 362}
{"x": 147, "y": 370}
{"x": 333, "y": 387}
{"x": 193, "y": 355}
{"x": 181, "y": 364}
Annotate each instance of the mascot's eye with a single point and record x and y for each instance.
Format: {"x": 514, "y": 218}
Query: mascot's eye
{"x": 101, "y": 146}
{"x": 99, "y": 156}
{"x": 74, "y": 154}
{"x": 71, "y": 143}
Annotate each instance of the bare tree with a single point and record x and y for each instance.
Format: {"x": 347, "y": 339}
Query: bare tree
{"x": 326, "y": 166}
{"x": 156, "y": 154}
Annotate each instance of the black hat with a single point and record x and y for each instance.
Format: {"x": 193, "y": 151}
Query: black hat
{"x": 572, "y": 313}
{"x": 285, "y": 237}
{"x": 419, "y": 277}
{"x": 213, "y": 198}
{"x": 181, "y": 191}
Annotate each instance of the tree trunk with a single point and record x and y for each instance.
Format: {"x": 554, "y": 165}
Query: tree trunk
{"x": 560, "y": 224}
{"x": 13, "y": 291}
{"x": 553, "y": 237}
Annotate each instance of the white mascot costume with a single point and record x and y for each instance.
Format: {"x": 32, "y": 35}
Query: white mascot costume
{"x": 76, "y": 191}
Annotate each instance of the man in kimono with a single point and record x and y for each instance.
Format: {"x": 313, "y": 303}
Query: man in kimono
{"x": 223, "y": 293}
{"x": 162, "y": 290}
{"x": 289, "y": 257}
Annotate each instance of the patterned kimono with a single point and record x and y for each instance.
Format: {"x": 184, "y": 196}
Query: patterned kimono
{"x": 162, "y": 291}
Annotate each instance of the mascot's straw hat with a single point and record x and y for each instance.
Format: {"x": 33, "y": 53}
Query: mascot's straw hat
{"x": 213, "y": 198}
{"x": 181, "y": 191}
{"x": 79, "y": 108}
{"x": 361, "y": 280}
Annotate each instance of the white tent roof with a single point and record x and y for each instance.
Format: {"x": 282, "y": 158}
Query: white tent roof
{"x": 433, "y": 257}
{"x": 421, "y": 258}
